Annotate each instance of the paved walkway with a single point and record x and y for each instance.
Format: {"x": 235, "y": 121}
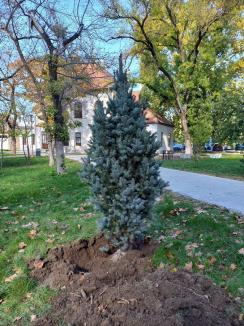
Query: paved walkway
{"x": 214, "y": 190}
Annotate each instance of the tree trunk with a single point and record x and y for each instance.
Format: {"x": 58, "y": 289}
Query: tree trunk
{"x": 3, "y": 133}
{"x": 50, "y": 151}
{"x": 59, "y": 147}
{"x": 58, "y": 113}
{"x": 13, "y": 144}
{"x": 187, "y": 136}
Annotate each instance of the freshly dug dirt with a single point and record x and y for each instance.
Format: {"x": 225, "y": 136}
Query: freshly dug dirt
{"x": 113, "y": 289}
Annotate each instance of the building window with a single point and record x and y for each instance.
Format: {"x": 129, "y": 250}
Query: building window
{"x": 78, "y": 139}
{"x": 44, "y": 140}
{"x": 78, "y": 110}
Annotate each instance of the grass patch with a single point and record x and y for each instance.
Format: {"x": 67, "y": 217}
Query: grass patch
{"x": 227, "y": 166}
{"x": 209, "y": 238}
{"x": 57, "y": 207}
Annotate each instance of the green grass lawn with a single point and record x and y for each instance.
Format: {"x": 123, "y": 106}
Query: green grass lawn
{"x": 228, "y": 166}
{"x": 40, "y": 210}
{"x": 33, "y": 197}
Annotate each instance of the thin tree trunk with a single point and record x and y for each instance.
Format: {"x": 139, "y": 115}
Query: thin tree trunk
{"x": 50, "y": 151}
{"x": 28, "y": 147}
{"x": 23, "y": 146}
{"x": 13, "y": 144}
{"x": 3, "y": 133}
{"x": 60, "y": 167}
{"x": 58, "y": 114}
{"x": 187, "y": 136}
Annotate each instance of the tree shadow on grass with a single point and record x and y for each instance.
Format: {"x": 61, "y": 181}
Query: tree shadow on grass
{"x": 13, "y": 162}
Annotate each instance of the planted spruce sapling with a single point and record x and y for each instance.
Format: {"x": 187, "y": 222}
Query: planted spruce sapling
{"x": 121, "y": 167}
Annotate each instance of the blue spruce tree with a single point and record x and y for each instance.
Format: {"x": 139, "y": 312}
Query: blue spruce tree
{"x": 121, "y": 168}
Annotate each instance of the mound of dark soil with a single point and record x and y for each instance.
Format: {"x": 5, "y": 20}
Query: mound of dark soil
{"x": 123, "y": 289}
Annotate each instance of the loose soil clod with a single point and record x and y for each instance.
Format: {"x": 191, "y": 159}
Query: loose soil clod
{"x": 96, "y": 290}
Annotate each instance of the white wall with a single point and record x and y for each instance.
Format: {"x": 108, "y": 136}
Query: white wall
{"x": 165, "y": 136}
{"x": 162, "y": 135}
{"x": 88, "y": 107}
{"x": 6, "y": 143}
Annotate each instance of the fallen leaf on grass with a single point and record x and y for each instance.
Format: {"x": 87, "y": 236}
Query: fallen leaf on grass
{"x": 28, "y": 295}
{"x": 190, "y": 247}
{"x": 201, "y": 267}
{"x": 49, "y": 240}
{"x": 33, "y": 318}
{"x": 212, "y": 260}
{"x": 169, "y": 255}
{"x": 233, "y": 267}
{"x": 32, "y": 234}
{"x": 178, "y": 232}
{"x": 17, "y": 318}
{"x": 241, "y": 251}
{"x": 188, "y": 266}
{"x": 22, "y": 245}
{"x": 161, "y": 266}
{"x": 1, "y": 301}
{"x": 11, "y": 278}
{"x": 38, "y": 264}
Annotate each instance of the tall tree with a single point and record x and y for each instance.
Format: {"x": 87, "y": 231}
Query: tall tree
{"x": 47, "y": 39}
{"x": 228, "y": 114}
{"x": 183, "y": 47}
